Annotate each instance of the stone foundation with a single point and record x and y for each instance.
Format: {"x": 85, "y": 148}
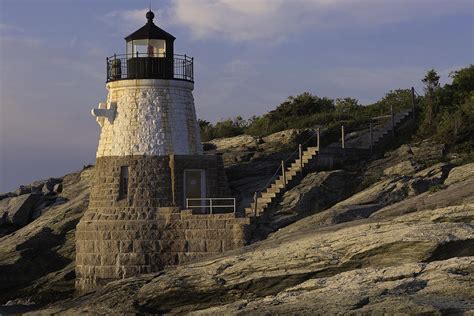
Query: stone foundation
{"x": 154, "y": 181}
{"x": 145, "y": 231}
{"x": 114, "y": 247}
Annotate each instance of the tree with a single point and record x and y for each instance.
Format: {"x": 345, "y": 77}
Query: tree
{"x": 398, "y": 99}
{"x": 431, "y": 82}
{"x": 346, "y": 105}
{"x": 301, "y": 105}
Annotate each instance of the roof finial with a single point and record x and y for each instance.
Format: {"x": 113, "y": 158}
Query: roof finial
{"x": 150, "y": 15}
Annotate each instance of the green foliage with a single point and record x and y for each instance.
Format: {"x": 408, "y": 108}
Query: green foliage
{"x": 226, "y": 128}
{"x": 347, "y": 105}
{"x": 398, "y": 99}
{"x": 431, "y": 81}
{"x": 448, "y": 111}
{"x": 301, "y": 105}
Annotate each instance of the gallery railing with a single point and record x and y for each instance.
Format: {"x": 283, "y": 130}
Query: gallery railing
{"x": 146, "y": 66}
{"x": 211, "y": 205}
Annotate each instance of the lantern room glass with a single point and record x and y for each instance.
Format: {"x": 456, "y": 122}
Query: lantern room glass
{"x": 146, "y": 48}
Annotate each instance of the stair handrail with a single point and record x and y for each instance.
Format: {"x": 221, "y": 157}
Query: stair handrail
{"x": 314, "y": 133}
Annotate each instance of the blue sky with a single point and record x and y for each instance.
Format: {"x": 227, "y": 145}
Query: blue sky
{"x": 250, "y": 55}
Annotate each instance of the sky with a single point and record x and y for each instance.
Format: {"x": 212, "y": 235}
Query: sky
{"x": 250, "y": 55}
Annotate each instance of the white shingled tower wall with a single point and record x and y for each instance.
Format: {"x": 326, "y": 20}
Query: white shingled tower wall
{"x": 148, "y": 117}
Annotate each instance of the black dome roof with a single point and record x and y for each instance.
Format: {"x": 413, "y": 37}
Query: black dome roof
{"x": 150, "y": 30}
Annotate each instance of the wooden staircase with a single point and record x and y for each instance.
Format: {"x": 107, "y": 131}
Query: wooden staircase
{"x": 292, "y": 174}
{"x": 381, "y": 134}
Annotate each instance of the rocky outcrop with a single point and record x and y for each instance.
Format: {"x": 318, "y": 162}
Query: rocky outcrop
{"x": 403, "y": 168}
{"x": 317, "y": 191}
{"x": 460, "y": 173}
{"x": 370, "y": 203}
{"x": 18, "y": 210}
{"x": 413, "y": 288}
{"x": 27, "y": 203}
{"x": 246, "y": 148}
{"x": 36, "y": 261}
{"x": 403, "y": 243}
{"x": 362, "y": 257}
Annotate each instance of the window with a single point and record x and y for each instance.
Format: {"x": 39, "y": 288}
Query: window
{"x": 146, "y": 48}
{"x": 123, "y": 190}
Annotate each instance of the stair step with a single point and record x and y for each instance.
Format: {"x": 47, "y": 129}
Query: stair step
{"x": 297, "y": 166}
{"x": 260, "y": 206}
{"x": 264, "y": 200}
{"x": 290, "y": 173}
{"x": 273, "y": 190}
{"x": 269, "y": 194}
{"x": 277, "y": 187}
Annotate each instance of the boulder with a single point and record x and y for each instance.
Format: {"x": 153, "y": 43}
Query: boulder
{"x": 317, "y": 191}
{"x": 403, "y": 168}
{"x": 37, "y": 261}
{"x": 232, "y": 143}
{"x": 7, "y": 195}
{"x": 429, "y": 178}
{"x": 460, "y": 173}
{"x": 22, "y": 190}
{"x": 288, "y": 139}
{"x": 58, "y": 188}
{"x": 47, "y": 188}
{"x": 17, "y": 210}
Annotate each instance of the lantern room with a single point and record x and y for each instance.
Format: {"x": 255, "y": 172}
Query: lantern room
{"x": 149, "y": 55}
{"x": 150, "y": 41}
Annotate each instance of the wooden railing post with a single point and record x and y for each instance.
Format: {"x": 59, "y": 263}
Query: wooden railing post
{"x": 283, "y": 171}
{"x": 255, "y": 204}
{"x": 343, "y": 137}
{"x": 318, "y": 138}
{"x": 210, "y": 205}
{"x": 393, "y": 120}
{"x": 300, "y": 152}
{"x": 371, "y": 131}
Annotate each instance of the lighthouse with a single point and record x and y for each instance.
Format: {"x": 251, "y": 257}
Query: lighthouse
{"x": 155, "y": 199}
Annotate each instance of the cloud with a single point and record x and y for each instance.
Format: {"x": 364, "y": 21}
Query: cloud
{"x": 129, "y": 17}
{"x": 10, "y": 28}
{"x": 247, "y": 20}
{"x": 19, "y": 41}
{"x": 84, "y": 67}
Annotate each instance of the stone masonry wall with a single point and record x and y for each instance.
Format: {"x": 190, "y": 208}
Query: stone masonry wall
{"x": 110, "y": 247}
{"x": 153, "y": 117}
{"x": 145, "y": 231}
{"x": 150, "y": 182}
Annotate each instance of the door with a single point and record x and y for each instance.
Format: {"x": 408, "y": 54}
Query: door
{"x": 195, "y": 187}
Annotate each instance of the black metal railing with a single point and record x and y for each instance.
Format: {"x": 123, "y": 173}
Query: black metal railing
{"x": 146, "y": 66}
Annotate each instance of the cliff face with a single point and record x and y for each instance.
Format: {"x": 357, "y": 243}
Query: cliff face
{"x": 385, "y": 236}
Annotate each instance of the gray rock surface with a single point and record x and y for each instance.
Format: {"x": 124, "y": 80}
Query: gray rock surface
{"x": 361, "y": 266}
{"x": 18, "y": 210}
{"x": 404, "y": 244}
{"x": 403, "y": 168}
{"x": 317, "y": 191}
{"x": 37, "y": 261}
{"x": 460, "y": 173}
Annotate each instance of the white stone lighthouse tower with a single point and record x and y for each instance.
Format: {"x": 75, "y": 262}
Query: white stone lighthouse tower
{"x": 150, "y": 105}
{"x": 149, "y": 162}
